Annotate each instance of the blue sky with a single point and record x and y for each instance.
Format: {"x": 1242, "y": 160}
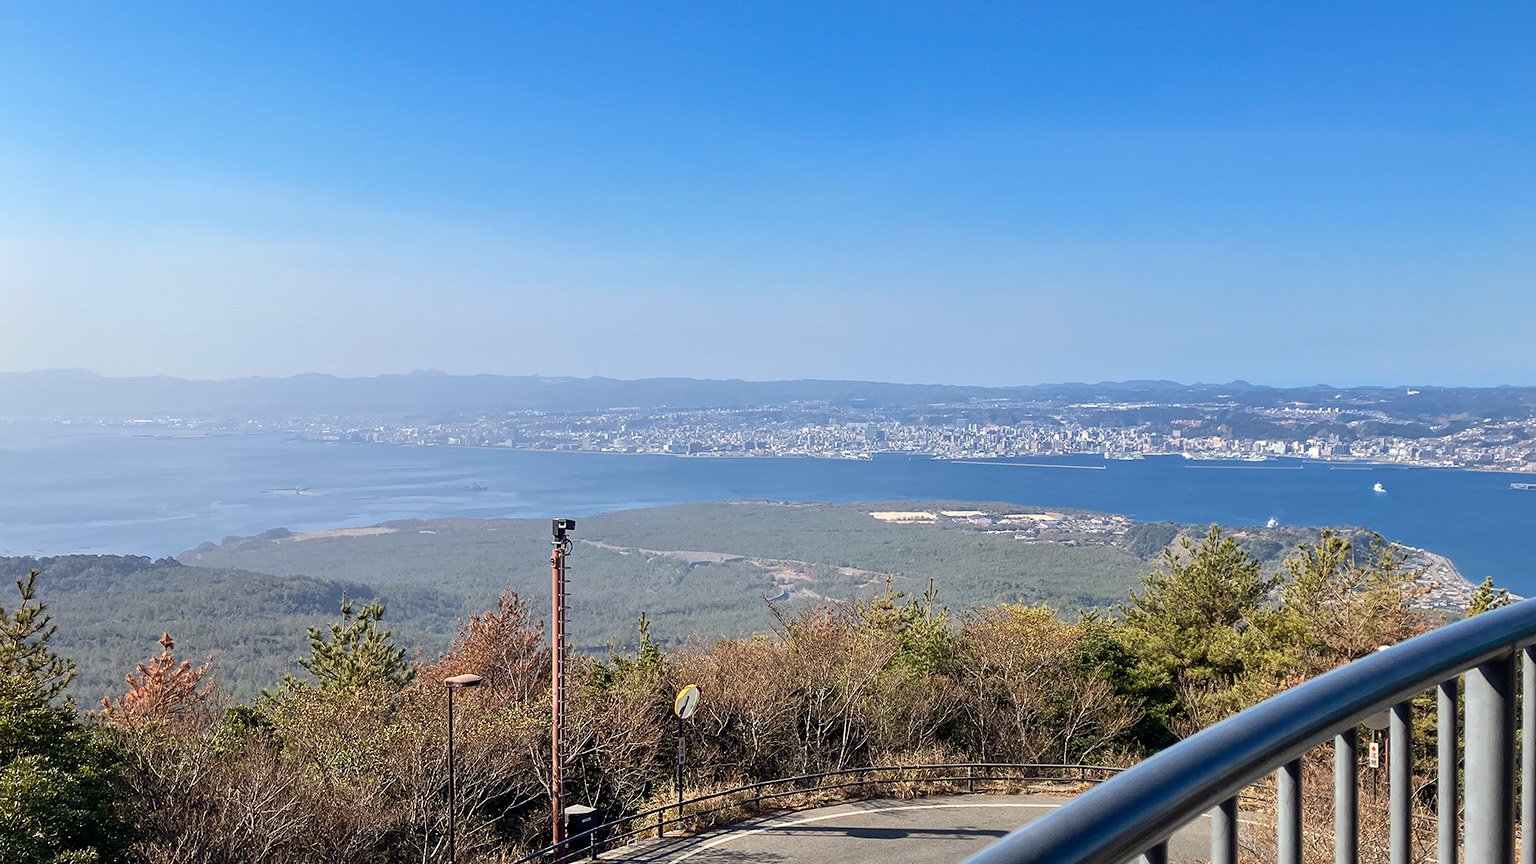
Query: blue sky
{"x": 969, "y": 193}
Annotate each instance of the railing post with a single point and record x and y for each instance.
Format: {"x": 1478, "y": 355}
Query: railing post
{"x": 1224, "y": 832}
{"x": 661, "y": 822}
{"x": 1288, "y": 812}
{"x": 1527, "y": 756}
{"x": 1490, "y": 719}
{"x": 970, "y": 779}
{"x": 1346, "y": 798}
{"x": 1400, "y": 782}
{"x": 1156, "y": 855}
{"x": 1447, "y": 777}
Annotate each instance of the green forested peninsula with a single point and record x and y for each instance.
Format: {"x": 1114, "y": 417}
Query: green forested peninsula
{"x": 697, "y": 571}
{"x": 113, "y": 609}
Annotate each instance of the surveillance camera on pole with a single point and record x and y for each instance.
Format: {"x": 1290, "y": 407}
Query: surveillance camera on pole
{"x": 561, "y": 528}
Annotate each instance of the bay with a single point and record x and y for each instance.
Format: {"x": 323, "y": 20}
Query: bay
{"x": 154, "y": 491}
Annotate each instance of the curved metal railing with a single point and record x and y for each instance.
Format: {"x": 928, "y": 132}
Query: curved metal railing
{"x": 1135, "y": 812}
{"x": 752, "y": 796}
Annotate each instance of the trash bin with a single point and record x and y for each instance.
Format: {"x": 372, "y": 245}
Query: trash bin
{"x": 579, "y": 819}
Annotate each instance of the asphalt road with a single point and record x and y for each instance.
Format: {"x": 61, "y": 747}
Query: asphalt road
{"x": 888, "y": 831}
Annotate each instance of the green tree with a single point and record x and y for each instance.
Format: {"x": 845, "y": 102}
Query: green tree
{"x": 926, "y": 643}
{"x": 645, "y": 669}
{"x": 1340, "y": 606}
{"x": 56, "y": 778}
{"x": 353, "y": 653}
{"x": 1487, "y": 598}
{"x": 24, "y": 654}
{"x": 1188, "y": 633}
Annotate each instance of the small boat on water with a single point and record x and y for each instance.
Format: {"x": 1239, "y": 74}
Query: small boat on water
{"x": 1524, "y": 487}
{"x": 1379, "y": 489}
{"x": 475, "y": 487}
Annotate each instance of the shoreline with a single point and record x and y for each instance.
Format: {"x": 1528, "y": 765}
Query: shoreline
{"x": 1335, "y": 463}
{"x": 367, "y": 485}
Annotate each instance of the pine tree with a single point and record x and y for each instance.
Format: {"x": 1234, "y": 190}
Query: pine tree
{"x": 25, "y": 658}
{"x": 1182, "y": 652}
{"x": 1487, "y": 598}
{"x": 925, "y": 640}
{"x": 648, "y": 665}
{"x": 56, "y": 778}
{"x": 355, "y": 653}
{"x": 1341, "y": 605}
{"x": 1202, "y": 595}
{"x": 505, "y": 646}
{"x": 163, "y": 690}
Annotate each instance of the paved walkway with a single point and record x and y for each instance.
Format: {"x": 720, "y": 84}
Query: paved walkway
{"x": 884, "y": 830}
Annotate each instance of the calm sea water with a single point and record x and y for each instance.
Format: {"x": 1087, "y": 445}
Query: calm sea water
{"x": 72, "y": 489}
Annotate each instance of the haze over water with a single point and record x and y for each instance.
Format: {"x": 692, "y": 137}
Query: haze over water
{"x": 91, "y": 490}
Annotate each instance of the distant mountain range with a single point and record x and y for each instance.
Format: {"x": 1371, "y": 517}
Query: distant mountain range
{"x": 84, "y": 394}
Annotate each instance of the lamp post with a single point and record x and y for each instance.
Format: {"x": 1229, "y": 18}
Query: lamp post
{"x": 454, "y": 683}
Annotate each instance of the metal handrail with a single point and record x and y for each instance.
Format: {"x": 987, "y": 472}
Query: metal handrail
{"x": 1136, "y": 811}
{"x": 656, "y": 819}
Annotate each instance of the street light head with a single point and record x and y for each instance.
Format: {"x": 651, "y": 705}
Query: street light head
{"x": 465, "y": 680}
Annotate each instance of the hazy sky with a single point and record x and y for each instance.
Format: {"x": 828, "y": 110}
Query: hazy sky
{"x": 992, "y": 194}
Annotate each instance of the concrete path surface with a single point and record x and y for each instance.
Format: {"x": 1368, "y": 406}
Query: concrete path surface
{"x": 882, "y": 830}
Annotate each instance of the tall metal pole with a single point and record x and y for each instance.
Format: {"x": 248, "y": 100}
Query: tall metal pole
{"x": 1448, "y": 800}
{"x": 453, "y": 792}
{"x": 1288, "y": 813}
{"x": 466, "y": 679}
{"x": 562, "y": 545}
{"x": 1527, "y": 756}
{"x": 1346, "y": 797}
{"x": 1224, "y": 832}
{"x": 1490, "y": 762}
{"x": 1400, "y": 783}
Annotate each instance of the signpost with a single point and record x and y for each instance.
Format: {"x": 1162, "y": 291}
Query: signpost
{"x": 1377, "y": 722}
{"x": 684, "y": 706}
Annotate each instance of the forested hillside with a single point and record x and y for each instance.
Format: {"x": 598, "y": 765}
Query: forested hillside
{"x": 112, "y": 610}
{"x": 703, "y": 570}
{"x": 344, "y": 760}
{"x": 696, "y": 571}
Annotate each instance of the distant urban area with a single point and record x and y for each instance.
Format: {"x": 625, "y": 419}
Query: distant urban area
{"x": 1491, "y": 428}
{"x": 986, "y": 429}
